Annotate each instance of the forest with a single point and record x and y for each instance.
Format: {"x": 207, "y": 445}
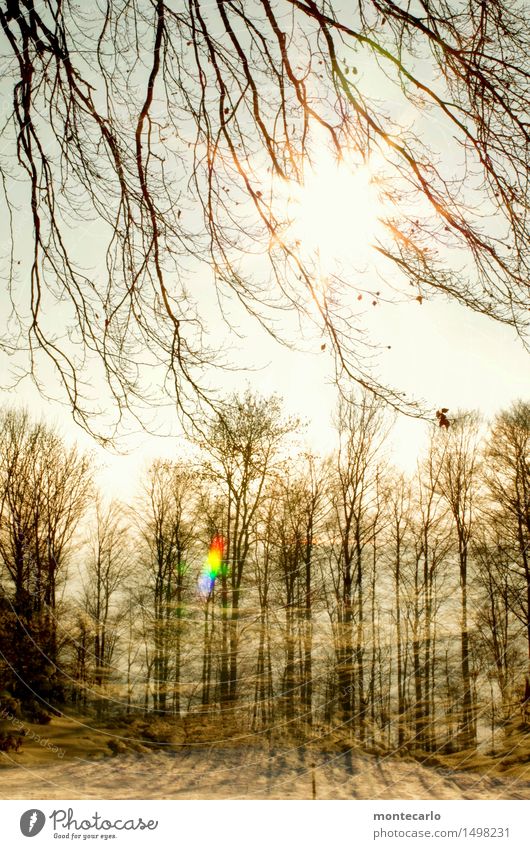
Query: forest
{"x": 263, "y": 590}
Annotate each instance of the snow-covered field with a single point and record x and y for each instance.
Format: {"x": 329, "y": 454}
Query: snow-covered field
{"x": 246, "y": 774}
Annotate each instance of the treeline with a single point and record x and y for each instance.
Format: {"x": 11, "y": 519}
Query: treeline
{"x": 339, "y": 594}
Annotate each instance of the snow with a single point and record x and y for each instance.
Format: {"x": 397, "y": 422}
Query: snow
{"x": 235, "y": 773}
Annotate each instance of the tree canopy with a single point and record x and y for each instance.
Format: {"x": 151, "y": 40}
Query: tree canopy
{"x": 146, "y": 142}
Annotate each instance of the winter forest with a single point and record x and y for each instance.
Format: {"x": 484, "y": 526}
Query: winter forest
{"x": 255, "y": 590}
{"x": 238, "y": 228}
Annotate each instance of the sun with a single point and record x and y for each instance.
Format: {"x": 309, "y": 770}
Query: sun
{"x": 335, "y": 214}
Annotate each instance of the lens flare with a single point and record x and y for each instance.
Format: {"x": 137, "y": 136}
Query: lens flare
{"x": 213, "y": 566}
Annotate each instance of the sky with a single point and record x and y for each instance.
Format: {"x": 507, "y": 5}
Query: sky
{"x": 440, "y": 352}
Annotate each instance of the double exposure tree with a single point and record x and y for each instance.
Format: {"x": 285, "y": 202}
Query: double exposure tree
{"x": 243, "y": 447}
{"x": 147, "y": 141}
{"x": 44, "y": 492}
{"x": 431, "y": 545}
{"x": 106, "y": 570}
{"x": 509, "y": 484}
{"x": 296, "y": 506}
{"x": 459, "y": 484}
{"x": 165, "y": 520}
{"x": 355, "y": 499}
{"x": 499, "y": 628}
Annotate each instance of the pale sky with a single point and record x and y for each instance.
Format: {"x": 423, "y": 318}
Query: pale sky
{"x": 440, "y": 352}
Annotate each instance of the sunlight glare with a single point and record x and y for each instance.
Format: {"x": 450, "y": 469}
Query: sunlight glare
{"x": 335, "y": 213}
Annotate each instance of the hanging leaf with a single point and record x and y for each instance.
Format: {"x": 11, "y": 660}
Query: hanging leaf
{"x": 443, "y": 421}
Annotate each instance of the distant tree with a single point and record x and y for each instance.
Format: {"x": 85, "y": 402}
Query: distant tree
{"x": 105, "y": 572}
{"x": 44, "y": 491}
{"x": 296, "y": 504}
{"x": 166, "y": 524}
{"x": 499, "y": 627}
{"x": 362, "y": 429}
{"x": 399, "y": 508}
{"x": 508, "y": 476}
{"x": 242, "y": 447}
{"x": 459, "y": 483}
{"x": 431, "y": 548}
{"x": 263, "y": 712}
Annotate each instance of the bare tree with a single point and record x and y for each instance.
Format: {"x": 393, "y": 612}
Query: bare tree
{"x": 242, "y": 448}
{"x": 362, "y": 430}
{"x": 105, "y": 570}
{"x": 263, "y": 710}
{"x": 431, "y": 546}
{"x": 509, "y": 483}
{"x": 399, "y": 521}
{"x": 295, "y": 506}
{"x": 459, "y": 484}
{"x": 138, "y": 116}
{"x": 498, "y": 625}
{"x": 167, "y": 532}
{"x": 44, "y": 492}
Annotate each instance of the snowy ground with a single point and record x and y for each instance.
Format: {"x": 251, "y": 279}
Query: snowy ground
{"x": 247, "y": 774}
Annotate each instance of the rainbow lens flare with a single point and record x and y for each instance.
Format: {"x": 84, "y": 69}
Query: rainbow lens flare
{"x": 212, "y": 566}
